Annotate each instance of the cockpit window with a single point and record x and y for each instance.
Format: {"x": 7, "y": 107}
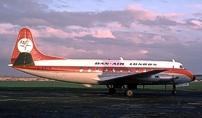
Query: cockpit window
{"x": 181, "y": 66}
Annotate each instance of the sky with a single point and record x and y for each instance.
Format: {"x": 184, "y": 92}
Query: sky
{"x": 106, "y": 29}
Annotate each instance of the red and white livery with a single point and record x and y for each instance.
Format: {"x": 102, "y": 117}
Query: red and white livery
{"x": 112, "y": 73}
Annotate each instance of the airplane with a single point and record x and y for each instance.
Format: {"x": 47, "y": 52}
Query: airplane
{"x": 125, "y": 74}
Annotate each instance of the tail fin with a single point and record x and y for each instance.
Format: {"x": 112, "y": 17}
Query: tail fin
{"x": 25, "y": 45}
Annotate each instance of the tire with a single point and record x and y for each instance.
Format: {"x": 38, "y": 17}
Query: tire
{"x": 129, "y": 93}
{"x": 174, "y": 92}
{"x": 112, "y": 91}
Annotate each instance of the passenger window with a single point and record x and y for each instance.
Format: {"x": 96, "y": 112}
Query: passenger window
{"x": 121, "y": 69}
{"x": 129, "y": 70}
{"x": 113, "y": 69}
{"x": 137, "y": 70}
{"x": 89, "y": 70}
{"x": 105, "y": 69}
{"x": 144, "y": 70}
{"x": 80, "y": 69}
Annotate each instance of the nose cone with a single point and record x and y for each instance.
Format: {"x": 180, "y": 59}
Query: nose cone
{"x": 190, "y": 75}
{"x": 194, "y": 78}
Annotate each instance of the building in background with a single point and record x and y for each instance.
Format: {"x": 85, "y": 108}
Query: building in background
{"x": 16, "y": 78}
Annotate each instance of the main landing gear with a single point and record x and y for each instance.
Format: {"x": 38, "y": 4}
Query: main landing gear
{"x": 130, "y": 88}
{"x": 112, "y": 91}
{"x": 128, "y": 91}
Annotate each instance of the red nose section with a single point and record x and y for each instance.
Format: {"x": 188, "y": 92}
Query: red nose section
{"x": 194, "y": 78}
{"x": 190, "y": 75}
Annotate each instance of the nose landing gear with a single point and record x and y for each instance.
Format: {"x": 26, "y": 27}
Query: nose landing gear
{"x": 174, "y": 91}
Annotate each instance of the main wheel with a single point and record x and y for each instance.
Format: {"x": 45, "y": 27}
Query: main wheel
{"x": 112, "y": 91}
{"x": 174, "y": 92}
{"x": 129, "y": 93}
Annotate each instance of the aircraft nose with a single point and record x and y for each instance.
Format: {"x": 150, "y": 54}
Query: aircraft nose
{"x": 194, "y": 78}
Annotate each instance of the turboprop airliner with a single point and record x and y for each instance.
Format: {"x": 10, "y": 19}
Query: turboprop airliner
{"x": 125, "y": 74}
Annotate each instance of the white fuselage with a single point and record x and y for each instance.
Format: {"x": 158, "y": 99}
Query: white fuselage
{"x": 94, "y": 71}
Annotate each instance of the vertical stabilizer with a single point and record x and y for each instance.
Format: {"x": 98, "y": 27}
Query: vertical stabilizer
{"x": 25, "y": 44}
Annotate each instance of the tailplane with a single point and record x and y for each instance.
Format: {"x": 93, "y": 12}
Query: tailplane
{"x": 25, "y": 51}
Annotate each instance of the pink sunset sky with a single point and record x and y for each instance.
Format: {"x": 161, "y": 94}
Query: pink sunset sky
{"x": 106, "y": 29}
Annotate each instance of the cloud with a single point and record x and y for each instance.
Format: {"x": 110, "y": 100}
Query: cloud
{"x": 132, "y": 32}
{"x": 49, "y": 32}
{"x": 53, "y": 32}
{"x": 197, "y": 14}
{"x": 8, "y": 29}
{"x": 114, "y": 25}
{"x": 69, "y": 52}
{"x": 102, "y": 34}
{"x": 198, "y": 6}
{"x": 197, "y": 24}
{"x": 141, "y": 14}
{"x": 158, "y": 39}
{"x": 193, "y": 24}
{"x": 7, "y": 25}
{"x": 160, "y": 20}
{"x": 143, "y": 51}
{"x": 32, "y": 22}
{"x": 173, "y": 15}
{"x": 134, "y": 7}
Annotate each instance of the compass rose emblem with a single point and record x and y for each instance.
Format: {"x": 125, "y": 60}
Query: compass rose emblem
{"x": 25, "y": 45}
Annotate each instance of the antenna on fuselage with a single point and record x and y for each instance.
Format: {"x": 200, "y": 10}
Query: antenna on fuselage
{"x": 121, "y": 58}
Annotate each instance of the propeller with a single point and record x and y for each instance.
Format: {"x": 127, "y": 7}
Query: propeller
{"x": 173, "y": 68}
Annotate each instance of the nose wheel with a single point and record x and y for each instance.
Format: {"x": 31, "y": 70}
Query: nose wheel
{"x": 174, "y": 92}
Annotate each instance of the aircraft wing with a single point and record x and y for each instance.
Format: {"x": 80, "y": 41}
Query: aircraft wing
{"x": 127, "y": 78}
